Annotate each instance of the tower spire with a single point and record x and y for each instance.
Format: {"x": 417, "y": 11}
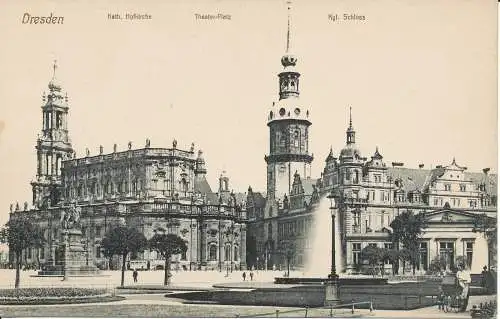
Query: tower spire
{"x": 350, "y": 117}
{"x": 289, "y": 5}
{"x": 350, "y": 130}
{"x": 55, "y": 67}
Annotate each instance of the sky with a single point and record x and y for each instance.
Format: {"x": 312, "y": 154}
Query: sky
{"x": 420, "y": 76}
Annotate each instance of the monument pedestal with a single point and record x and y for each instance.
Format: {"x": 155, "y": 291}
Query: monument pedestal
{"x": 75, "y": 260}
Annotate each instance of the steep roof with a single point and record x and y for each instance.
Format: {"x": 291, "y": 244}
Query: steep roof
{"x": 413, "y": 178}
{"x": 201, "y": 185}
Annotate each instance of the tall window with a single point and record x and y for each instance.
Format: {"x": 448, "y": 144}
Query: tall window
{"x": 235, "y": 256}
{"x": 447, "y": 253}
{"x": 356, "y": 221}
{"x": 212, "y": 252}
{"x": 387, "y": 246}
{"x": 356, "y": 252}
{"x": 423, "y": 256}
{"x": 462, "y": 187}
{"x": 447, "y": 187}
{"x": 468, "y": 253}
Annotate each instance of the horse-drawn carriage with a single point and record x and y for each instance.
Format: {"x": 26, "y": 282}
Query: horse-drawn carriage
{"x": 454, "y": 296}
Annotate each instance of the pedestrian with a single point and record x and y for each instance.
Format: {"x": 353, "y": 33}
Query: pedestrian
{"x": 135, "y": 274}
{"x": 244, "y": 276}
{"x": 251, "y": 276}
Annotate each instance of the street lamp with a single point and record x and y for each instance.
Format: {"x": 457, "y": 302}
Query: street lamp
{"x": 331, "y": 291}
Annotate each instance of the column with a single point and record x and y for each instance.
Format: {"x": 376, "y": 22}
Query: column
{"x": 53, "y": 164}
{"x": 242, "y": 246}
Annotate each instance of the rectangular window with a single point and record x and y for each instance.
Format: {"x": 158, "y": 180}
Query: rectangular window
{"x": 468, "y": 253}
{"x": 423, "y": 257}
{"x": 98, "y": 230}
{"x": 372, "y": 244}
{"x": 356, "y": 251}
{"x": 462, "y": 187}
{"x": 387, "y": 246}
{"x": 98, "y": 252}
{"x": 42, "y": 253}
{"x": 447, "y": 187}
{"x": 447, "y": 253}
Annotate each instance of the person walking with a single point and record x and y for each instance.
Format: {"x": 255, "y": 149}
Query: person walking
{"x": 251, "y": 276}
{"x": 135, "y": 274}
{"x": 244, "y": 276}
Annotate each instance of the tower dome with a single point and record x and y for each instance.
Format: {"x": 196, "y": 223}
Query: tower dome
{"x": 54, "y": 84}
{"x": 288, "y": 60}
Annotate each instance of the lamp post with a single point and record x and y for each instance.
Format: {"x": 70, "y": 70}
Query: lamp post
{"x": 331, "y": 291}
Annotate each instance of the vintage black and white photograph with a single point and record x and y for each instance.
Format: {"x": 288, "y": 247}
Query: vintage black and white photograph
{"x": 282, "y": 158}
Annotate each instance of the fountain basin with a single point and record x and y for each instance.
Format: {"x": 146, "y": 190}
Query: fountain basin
{"x": 319, "y": 281}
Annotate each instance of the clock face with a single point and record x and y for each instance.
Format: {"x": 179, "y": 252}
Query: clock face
{"x": 297, "y": 111}
{"x": 282, "y": 111}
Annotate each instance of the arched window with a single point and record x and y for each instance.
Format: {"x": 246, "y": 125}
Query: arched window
{"x": 212, "y": 252}
{"x": 236, "y": 254}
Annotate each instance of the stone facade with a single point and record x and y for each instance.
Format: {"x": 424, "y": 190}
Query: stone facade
{"x": 151, "y": 189}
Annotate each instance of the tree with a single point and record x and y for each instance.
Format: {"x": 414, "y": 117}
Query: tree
{"x": 167, "y": 245}
{"x": 374, "y": 255}
{"x": 392, "y": 255}
{"x": 121, "y": 241}
{"x": 488, "y": 226}
{"x": 20, "y": 234}
{"x": 407, "y": 230}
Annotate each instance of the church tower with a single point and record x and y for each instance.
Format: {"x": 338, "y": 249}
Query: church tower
{"x": 288, "y": 122}
{"x": 53, "y": 146}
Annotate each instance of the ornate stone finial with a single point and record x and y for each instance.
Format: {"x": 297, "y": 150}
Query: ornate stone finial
{"x": 11, "y": 207}
{"x": 74, "y": 154}
{"x": 44, "y": 96}
{"x": 25, "y": 206}
{"x": 87, "y": 152}
{"x": 101, "y": 149}
{"x": 174, "y": 143}
{"x": 148, "y": 143}
{"x": 17, "y": 206}
{"x": 192, "y": 147}
{"x": 114, "y": 148}
{"x": 55, "y": 67}
{"x": 130, "y": 145}
{"x": 66, "y": 97}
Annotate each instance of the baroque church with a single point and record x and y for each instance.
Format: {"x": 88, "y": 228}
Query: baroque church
{"x": 368, "y": 193}
{"x": 149, "y": 188}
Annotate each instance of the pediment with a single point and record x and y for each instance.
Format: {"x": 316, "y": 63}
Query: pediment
{"x": 449, "y": 216}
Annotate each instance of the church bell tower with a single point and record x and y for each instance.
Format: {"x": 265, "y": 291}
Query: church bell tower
{"x": 53, "y": 146}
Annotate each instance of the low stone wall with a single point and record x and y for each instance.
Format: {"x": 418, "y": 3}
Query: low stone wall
{"x": 311, "y": 296}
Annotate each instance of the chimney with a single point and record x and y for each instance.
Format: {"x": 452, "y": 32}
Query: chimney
{"x": 420, "y": 165}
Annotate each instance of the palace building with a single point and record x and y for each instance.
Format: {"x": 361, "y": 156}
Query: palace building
{"x": 368, "y": 192}
{"x": 151, "y": 189}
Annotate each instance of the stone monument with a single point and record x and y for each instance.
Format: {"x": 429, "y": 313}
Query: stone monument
{"x": 76, "y": 262}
